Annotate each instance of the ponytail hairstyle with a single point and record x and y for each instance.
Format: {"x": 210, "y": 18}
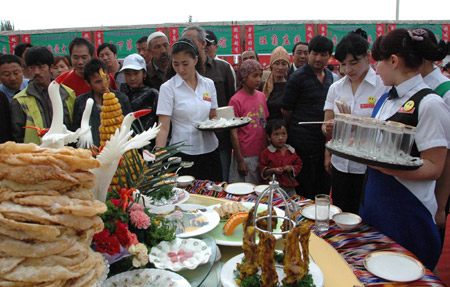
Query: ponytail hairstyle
{"x": 187, "y": 46}
{"x": 413, "y": 46}
{"x": 354, "y": 43}
{"x": 443, "y": 48}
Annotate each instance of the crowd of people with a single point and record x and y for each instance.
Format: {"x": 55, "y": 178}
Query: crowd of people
{"x": 185, "y": 83}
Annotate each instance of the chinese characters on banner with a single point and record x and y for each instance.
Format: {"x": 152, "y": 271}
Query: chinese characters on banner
{"x": 86, "y": 35}
{"x": 225, "y": 39}
{"x": 268, "y": 37}
{"x": 250, "y": 38}
{"x": 173, "y": 34}
{"x": 57, "y": 43}
{"x": 323, "y": 30}
{"x": 4, "y": 44}
{"x": 380, "y": 29}
{"x": 446, "y": 32}
{"x": 26, "y": 39}
{"x": 336, "y": 32}
{"x": 98, "y": 38}
{"x": 125, "y": 40}
{"x": 392, "y": 27}
{"x": 12, "y": 43}
{"x": 236, "y": 38}
{"x": 309, "y": 28}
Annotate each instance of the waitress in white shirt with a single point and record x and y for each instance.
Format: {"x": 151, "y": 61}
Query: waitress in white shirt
{"x": 184, "y": 100}
{"x": 360, "y": 89}
{"x": 399, "y": 203}
{"x": 433, "y": 77}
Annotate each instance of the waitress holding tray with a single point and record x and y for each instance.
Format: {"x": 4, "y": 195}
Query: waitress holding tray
{"x": 184, "y": 100}
{"x": 399, "y": 203}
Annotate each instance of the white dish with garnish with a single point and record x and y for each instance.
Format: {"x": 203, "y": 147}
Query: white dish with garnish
{"x": 180, "y": 254}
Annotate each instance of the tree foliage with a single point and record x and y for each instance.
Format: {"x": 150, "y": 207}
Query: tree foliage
{"x": 6, "y": 25}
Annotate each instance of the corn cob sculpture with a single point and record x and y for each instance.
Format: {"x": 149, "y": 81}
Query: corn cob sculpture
{"x": 111, "y": 119}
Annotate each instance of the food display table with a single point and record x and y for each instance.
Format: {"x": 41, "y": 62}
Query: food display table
{"x": 339, "y": 254}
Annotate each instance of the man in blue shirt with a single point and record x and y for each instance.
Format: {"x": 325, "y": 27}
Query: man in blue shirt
{"x": 11, "y": 76}
{"x": 303, "y": 101}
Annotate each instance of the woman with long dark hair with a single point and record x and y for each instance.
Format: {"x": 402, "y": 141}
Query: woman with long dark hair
{"x": 184, "y": 100}
{"x": 400, "y": 203}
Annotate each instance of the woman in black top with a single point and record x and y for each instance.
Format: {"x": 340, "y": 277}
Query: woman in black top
{"x": 274, "y": 86}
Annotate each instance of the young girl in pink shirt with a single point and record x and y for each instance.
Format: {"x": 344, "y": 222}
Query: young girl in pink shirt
{"x": 249, "y": 141}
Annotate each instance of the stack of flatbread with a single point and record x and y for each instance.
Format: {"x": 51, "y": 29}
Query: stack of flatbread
{"x": 48, "y": 217}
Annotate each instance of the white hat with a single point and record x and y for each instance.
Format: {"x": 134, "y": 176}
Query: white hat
{"x": 134, "y": 62}
{"x": 155, "y": 35}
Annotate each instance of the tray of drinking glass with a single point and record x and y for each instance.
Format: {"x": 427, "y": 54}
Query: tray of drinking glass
{"x": 411, "y": 163}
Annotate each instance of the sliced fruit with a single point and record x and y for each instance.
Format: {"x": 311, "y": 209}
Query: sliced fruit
{"x": 233, "y": 222}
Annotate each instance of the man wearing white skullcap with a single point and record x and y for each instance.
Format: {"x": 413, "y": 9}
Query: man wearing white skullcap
{"x": 159, "y": 49}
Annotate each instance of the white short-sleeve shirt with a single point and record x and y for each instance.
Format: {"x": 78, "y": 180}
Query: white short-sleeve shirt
{"x": 434, "y": 120}
{"x": 361, "y": 103}
{"x": 187, "y": 107}
{"x": 434, "y": 79}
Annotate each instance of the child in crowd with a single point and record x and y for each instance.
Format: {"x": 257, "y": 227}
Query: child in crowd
{"x": 137, "y": 88}
{"x": 279, "y": 158}
{"x": 249, "y": 141}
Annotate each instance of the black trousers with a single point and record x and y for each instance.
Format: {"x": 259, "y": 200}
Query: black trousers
{"x": 347, "y": 190}
{"x": 206, "y": 166}
{"x": 313, "y": 179}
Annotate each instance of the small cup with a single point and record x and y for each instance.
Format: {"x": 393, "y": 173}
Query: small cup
{"x": 322, "y": 212}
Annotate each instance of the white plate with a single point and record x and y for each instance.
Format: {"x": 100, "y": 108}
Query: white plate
{"x": 179, "y": 197}
{"x": 235, "y": 239}
{"x": 200, "y": 254}
{"x": 240, "y": 188}
{"x": 146, "y": 277}
{"x": 394, "y": 266}
{"x": 228, "y": 280}
{"x": 208, "y": 218}
{"x": 309, "y": 211}
{"x": 260, "y": 188}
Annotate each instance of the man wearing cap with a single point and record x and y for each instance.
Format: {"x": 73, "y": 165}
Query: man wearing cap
{"x": 159, "y": 49}
{"x": 211, "y": 50}
{"x": 94, "y": 80}
{"x": 141, "y": 96}
{"x": 220, "y": 73}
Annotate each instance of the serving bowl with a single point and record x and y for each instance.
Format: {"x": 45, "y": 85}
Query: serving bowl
{"x": 185, "y": 180}
{"x": 347, "y": 220}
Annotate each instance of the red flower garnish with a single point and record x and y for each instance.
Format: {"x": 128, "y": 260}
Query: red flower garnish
{"x": 116, "y": 202}
{"x": 106, "y": 243}
{"x": 126, "y": 238}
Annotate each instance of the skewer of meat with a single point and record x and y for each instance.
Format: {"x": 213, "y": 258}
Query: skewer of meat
{"x": 266, "y": 249}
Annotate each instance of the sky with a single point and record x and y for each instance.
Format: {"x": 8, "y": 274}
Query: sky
{"x": 46, "y": 14}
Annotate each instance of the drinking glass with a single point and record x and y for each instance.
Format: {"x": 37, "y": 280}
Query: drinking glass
{"x": 322, "y": 212}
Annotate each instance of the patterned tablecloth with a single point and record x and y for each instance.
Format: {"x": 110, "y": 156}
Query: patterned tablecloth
{"x": 353, "y": 246}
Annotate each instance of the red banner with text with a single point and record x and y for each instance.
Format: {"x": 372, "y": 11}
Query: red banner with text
{"x": 250, "y": 37}
{"x": 173, "y": 34}
{"x": 12, "y": 43}
{"x": 236, "y": 40}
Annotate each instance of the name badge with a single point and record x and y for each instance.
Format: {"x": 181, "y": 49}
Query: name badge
{"x": 206, "y": 97}
{"x": 367, "y": 106}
